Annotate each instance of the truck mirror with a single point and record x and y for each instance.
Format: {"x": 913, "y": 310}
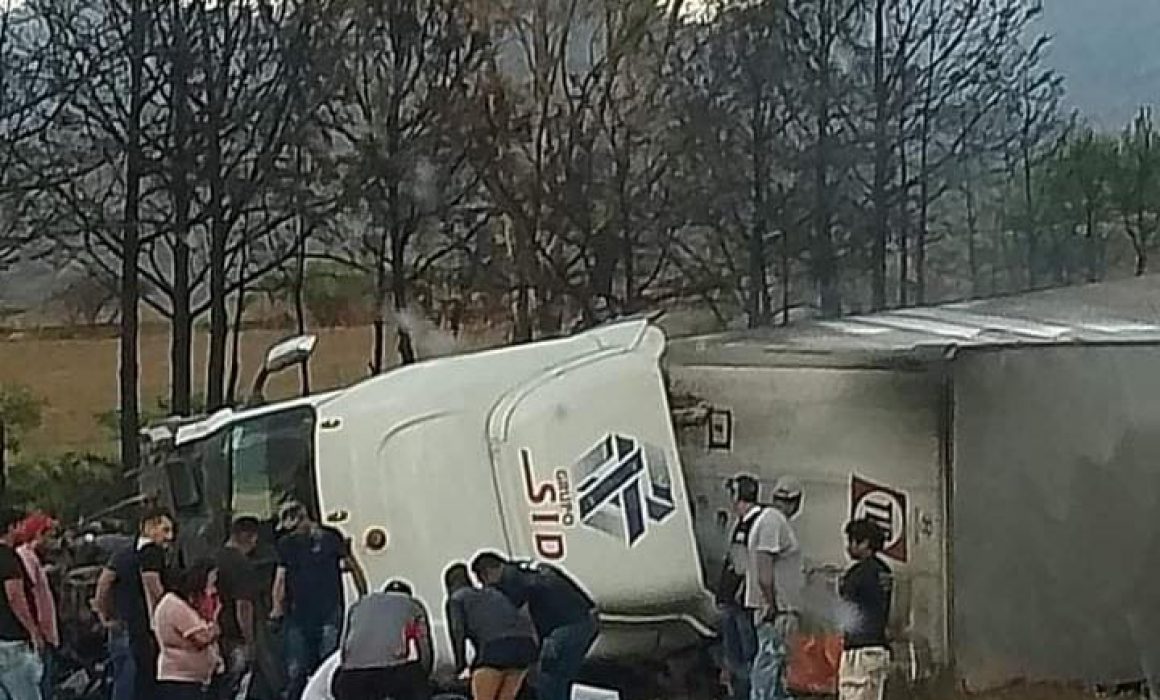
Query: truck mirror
{"x": 289, "y": 353}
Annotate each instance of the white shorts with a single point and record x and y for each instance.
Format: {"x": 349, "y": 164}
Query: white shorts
{"x": 862, "y": 675}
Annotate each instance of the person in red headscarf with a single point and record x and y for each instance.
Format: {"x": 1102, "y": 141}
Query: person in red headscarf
{"x": 31, "y": 535}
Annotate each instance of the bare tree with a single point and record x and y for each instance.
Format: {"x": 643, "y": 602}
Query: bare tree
{"x": 406, "y": 76}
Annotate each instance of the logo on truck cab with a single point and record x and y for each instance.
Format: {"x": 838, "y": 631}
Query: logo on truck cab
{"x": 624, "y": 484}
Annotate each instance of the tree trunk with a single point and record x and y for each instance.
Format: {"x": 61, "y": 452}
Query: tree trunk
{"x": 1031, "y": 219}
{"x": 903, "y": 206}
{"x": 825, "y": 264}
{"x": 236, "y": 338}
{"x": 878, "y": 195}
{"x": 972, "y": 237}
{"x": 219, "y": 326}
{"x": 758, "y": 311}
{"x": 181, "y": 335}
{"x": 298, "y": 292}
{"x": 379, "y": 350}
{"x": 131, "y": 244}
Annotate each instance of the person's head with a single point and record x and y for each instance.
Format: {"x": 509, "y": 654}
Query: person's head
{"x": 10, "y": 519}
{"x": 864, "y": 539}
{"x": 293, "y": 517}
{"x": 488, "y": 567}
{"x": 456, "y": 577}
{"x": 398, "y": 586}
{"x": 195, "y": 580}
{"x": 743, "y": 489}
{"x": 244, "y": 532}
{"x": 157, "y": 526}
{"x": 787, "y": 496}
{"x": 35, "y": 528}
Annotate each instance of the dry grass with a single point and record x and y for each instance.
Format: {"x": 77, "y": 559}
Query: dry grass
{"x": 77, "y": 378}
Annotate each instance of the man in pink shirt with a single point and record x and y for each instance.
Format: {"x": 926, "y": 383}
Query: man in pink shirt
{"x": 31, "y": 534}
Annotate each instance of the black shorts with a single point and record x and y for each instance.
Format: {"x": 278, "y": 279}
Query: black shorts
{"x": 508, "y": 654}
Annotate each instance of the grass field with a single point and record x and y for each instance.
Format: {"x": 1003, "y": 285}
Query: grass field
{"x": 76, "y": 378}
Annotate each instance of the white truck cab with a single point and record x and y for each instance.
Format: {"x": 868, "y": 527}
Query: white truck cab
{"x": 559, "y": 451}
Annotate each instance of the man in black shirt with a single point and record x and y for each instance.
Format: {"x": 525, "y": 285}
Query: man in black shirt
{"x": 308, "y": 591}
{"x": 866, "y": 589}
{"x": 238, "y": 586}
{"x": 20, "y": 638}
{"x": 128, "y": 590}
{"x": 563, "y": 613}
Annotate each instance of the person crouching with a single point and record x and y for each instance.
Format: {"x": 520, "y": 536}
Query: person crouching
{"x": 502, "y": 637}
{"x": 386, "y": 648}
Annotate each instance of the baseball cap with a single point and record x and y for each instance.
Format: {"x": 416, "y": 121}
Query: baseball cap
{"x": 289, "y": 514}
{"x": 787, "y": 489}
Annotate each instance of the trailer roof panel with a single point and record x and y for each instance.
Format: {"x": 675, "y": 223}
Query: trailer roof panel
{"x": 1121, "y": 312}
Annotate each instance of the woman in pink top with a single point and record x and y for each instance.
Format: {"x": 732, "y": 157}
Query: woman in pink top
{"x": 187, "y": 641}
{"x": 31, "y": 534}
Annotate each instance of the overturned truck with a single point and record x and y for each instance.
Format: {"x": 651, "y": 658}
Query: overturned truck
{"x": 1011, "y": 452}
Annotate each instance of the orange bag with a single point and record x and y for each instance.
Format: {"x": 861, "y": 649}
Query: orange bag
{"x": 813, "y": 664}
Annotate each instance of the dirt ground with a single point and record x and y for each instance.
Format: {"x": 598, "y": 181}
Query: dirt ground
{"x": 76, "y": 378}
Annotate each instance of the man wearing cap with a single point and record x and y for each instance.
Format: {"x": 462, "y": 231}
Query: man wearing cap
{"x": 308, "y": 591}
{"x": 774, "y": 579}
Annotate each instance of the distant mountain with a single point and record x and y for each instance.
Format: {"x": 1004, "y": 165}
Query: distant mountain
{"x": 1109, "y": 53}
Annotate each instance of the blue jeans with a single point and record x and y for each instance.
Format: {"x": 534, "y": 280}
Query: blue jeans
{"x": 770, "y": 665}
{"x": 133, "y": 664}
{"x": 123, "y": 664}
{"x": 562, "y": 655}
{"x": 47, "y": 675}
{"x": 738, "y": 647}
{"x": 20, "y": 671}
{"x": 308, "y": 644}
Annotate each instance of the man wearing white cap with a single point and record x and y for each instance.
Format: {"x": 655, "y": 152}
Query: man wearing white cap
{"x": 774, "y": 582}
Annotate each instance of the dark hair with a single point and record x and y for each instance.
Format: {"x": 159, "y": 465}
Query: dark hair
{"x": 485, "y": 562}
{"x": 9, "y": 516}
{"x": 745, "y": 488}
{"x": 245, "y": 525}
{"x": 868, "y": 531}
{"x": 398, "y": 586}
{"x": 192, "y": 580}
{"x": 456, "y": 577}
{"x": 152, "y": 515}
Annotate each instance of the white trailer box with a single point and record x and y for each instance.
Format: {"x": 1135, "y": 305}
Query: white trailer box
{"x": 1011, "y": 447}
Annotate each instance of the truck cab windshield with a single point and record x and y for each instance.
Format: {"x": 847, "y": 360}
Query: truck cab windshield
{"x": 271, "y": 462}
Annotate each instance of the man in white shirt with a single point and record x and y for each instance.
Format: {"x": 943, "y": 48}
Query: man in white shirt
{"x": 774, "y": 580}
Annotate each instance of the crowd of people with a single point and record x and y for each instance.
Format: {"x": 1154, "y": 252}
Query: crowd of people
{"x": 195, "y": 631}
{"x": 760, "y": 595}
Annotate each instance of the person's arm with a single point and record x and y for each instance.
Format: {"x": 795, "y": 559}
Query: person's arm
{"x": 426, "y": 646}
{"x": 18, "y": 603}
{"x": 103, "y": 598}
{"x": 278, "y": 595}
{"x": 152, "y": 559}
{"x": 457, "y": 631}
{"x": 351, "y": 564}
{"x": 192, "y": 627}
{"x": 766, "y": 582}
{"x": 769, "y": 539}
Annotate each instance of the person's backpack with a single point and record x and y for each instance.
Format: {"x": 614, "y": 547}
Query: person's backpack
{"x": 730, "y": 583}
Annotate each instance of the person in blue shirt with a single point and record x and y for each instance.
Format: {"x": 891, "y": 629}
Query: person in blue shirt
{"x": 308, "y": 593}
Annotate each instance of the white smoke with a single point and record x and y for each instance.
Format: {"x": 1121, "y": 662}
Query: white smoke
{"x": 429, "y": 340}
